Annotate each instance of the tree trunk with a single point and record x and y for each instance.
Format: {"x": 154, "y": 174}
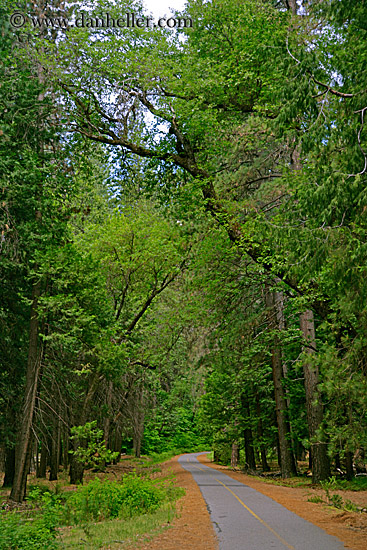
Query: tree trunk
{"x": 349, "y": 465}
{"x": 9, "y": 467}
{"x": 138, "y": 423}
{"x": 117, "y": 442}
{"x": 55, "y": 451}
{"x": 107, "y": 419}
{"x": 288, "y": 465}
{"x": 320, "y": 459}
{"x": 24, "y": 444}
{"x": 300, "y": 452}
{"x": 287, "y": 462}
{"x": 235, "y": 455}
{"x": 42, "y": 466}
{"x": 260, "y": 434}
{"x": 247, "y": 434}
{"x": 338, "y": 465}
{"x": 76, "y": 471}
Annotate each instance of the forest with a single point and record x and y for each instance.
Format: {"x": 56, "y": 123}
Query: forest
{"x": 183, "y": 244}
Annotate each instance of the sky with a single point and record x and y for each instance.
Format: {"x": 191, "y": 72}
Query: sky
{"x": 161, "y": 7}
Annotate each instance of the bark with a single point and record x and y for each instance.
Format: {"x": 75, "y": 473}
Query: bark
{"x": 300, "y": 452}
{"x": 235, "y": 455}
{"x": 117, "y": 442}
{"x": 41, "y": 467}
{"x": 349, "y": 465}
{"x": 138, "y": 423}
{"x": 291, "y": 5}
{"x": 260, "y": 434}
{"x": 9, "y": 466}
{"x": 287, "y": 462}
{"x": 359, "y": 464}
{"x": 288, "y": 465}
{"x": 107, "y": 419}
{"x": 55, "y": 450}
{"x": 279, "y": 457}
{"x": 248, "y": 437}
{"x": 320, "y": 459}
{"x": 76, "y": 471}
{"x": 24, "y": 443}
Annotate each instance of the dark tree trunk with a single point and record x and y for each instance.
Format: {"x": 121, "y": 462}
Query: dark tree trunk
{"x": 349, "y": 465}
{"x": 138, "y": 423}
{"x": 337, "y": 462}
{"x": 107, "y": 419}
{"x": 300, "y": 451}
{"x": 287, "y": 462}
{"x": 359, "y": 464}
{"x": 260, "y": 434}
{"x": 288, "y": 465}
{"x": 76, "y": 471}
{"x": 137, "y": 444}
{"x": 279, "y": 456}
{"x": 9, "y": 466}
{"x": 249, "y": 449}
{"x": 117, "y": 442}
{"x": 55, "y": 452}
{"x": 24, "y": 444}
{"x": 320, "y": 459}
{"x": 65, "y": 447}
{"x": 247, "y": 434}
{"x": 41, "y": 467}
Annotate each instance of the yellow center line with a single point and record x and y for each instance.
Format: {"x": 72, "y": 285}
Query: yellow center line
{"x": 289, "y": 546}
{"x": 257, "y": 517}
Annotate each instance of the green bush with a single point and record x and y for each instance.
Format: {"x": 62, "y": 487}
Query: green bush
{"x": 101, "y": 500}
{"x": 18, "y": 532}
{"x": 93, "y": 454}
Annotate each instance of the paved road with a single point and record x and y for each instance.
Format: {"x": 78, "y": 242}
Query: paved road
{"x": 244, "y": 519}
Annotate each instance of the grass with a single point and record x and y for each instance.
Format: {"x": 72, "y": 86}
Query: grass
{"x": 359, "y": 483}
{"x": 114, "y": 533}
{"x": 289, "y": 482}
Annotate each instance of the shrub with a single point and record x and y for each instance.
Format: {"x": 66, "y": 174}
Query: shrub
{"x": 26, "y": 533}
{"x": 140, "y": 495}
{"x": 91, "y": 451}
{"x": 109, "y": 499}
{"x": 315, "y": 499}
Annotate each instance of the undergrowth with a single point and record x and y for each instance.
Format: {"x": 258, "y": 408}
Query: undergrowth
{"x": 111, "y": 505}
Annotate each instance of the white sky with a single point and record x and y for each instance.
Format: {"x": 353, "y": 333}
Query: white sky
{"x": 161, "y": 7}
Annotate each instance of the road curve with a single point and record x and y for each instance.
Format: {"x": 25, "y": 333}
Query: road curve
{"x": 244, "y": 519}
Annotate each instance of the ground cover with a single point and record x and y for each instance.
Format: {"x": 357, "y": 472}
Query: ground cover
{"x": 110, "y": 509}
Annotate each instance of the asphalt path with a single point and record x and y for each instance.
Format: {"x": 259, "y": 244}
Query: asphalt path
{"x": 244, "y": 519}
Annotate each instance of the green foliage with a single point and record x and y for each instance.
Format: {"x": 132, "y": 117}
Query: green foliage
{"x": 94, "y": 454}
{"x": 100, "y": 500}
{"x": 359, "y": 483}
{"x": 335, "y": 499}
{"x": 315, "y": 499}
{"x": 26, "y": 533}
{"x": 263, "y": 125}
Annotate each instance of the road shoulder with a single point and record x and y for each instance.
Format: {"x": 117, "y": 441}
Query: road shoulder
{"x": 192, "y": 529}
{"x": 351, "y": 528}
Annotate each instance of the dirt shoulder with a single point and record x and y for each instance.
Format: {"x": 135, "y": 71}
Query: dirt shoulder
{"x": 350, "y": 527}
{"x": 192, "y": 529}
